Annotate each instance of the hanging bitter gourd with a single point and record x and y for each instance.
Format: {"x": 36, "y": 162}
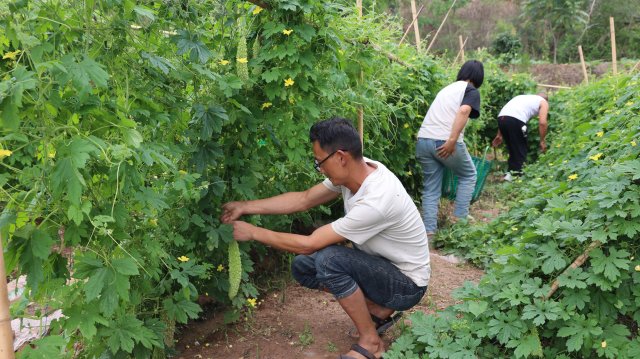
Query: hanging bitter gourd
{"x": 235, "y": 269}
{"x": 242, "y": 68}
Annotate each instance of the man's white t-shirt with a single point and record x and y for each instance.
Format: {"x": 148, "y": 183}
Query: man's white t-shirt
{"x": 522, "y": 107}
{"x": 382, "y": 220}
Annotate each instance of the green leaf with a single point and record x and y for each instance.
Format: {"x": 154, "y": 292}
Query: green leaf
{"x": 181, "y": 310}
{"x": 97, "y": 280}
{"x": 131, "y": 137}
{"x": 478, "y": 307}
{"x": 126, "y": 266}
{"x": 529, "y": 345}
{"x": 45, "y": 348}
{"x": 611, "y": 265}
{"x": 189, "y": 43}
{"x": 75, "y": 214}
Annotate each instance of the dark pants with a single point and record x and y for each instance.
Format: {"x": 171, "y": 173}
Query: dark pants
{"x": 514, "y": 135}
{"x": 343, "y": 270}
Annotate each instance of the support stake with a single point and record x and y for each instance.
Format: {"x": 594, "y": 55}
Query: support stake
{"x": 614, "y": 63}
{"x": 440, "y": 28}
{"x": 584, "y": 67}
{"x": 416, "y": 28}
{"x": 411, "y": 24}
{"x": 6, "y": 334}
{"x": 461, "y": 47}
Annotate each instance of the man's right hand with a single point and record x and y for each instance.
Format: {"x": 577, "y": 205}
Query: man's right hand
{"x": 496, "y": 141}
{"x": 231, "y": 211}
{"x": 543, "y": 146}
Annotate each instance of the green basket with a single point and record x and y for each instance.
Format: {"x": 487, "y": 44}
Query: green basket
{"x": 450, "y": 181}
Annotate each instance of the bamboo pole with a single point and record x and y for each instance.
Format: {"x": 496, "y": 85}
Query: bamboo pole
{"x": 461, "y": 46}
{"x": 614, "y": 63}
{"x": 6, "y": 334}
{"x": 440, "y": 27}
{"x": 416, "y": 28}
{"x": 360, "y": 110}
{"x": 554, "y": 86}
{"x": 411, "y": 24}
{"x": 635, "y": 67}
{"x": 576, "y": 263}
{"x": 584, "y": 67}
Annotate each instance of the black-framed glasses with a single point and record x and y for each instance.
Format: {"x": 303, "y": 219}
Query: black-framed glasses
{"x": 317, "y": 164}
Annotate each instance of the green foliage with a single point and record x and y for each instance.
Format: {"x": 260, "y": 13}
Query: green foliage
{"x": 130, "y": 124}
{"x": 507, "y": 47}
{"x": 584, "y": 190}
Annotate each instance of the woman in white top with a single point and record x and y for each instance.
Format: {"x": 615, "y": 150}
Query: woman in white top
{"x": 440, "y": 143}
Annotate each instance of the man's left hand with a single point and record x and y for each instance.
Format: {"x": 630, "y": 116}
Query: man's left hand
{"x": 543, "y": 146}
{"x": 243, "y": 231}
{"x": 447, "y": 149}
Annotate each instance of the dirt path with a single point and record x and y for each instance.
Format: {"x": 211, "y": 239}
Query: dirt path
{"x": 302, "y": 323}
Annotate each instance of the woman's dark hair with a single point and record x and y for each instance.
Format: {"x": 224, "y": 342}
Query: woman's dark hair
{"x": 473, "y": 71}
{"x": 337, "y": 134}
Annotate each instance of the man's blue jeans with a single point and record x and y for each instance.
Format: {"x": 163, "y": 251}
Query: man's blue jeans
{"x": 433, "y": 166}
{"x": 341, "y": 270}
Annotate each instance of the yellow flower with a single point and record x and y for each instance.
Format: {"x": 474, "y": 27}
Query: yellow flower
{"x": 637, "y": 268}
{"x": 223, "y": 62}
{"x": 558, "y": 145}
{"x": 633, "y": 143}
{"x": 603, "y": 344}
{"x": 406, "y": 125}
{"x": 183, "y": 259}
{"x": 242, "y": 60}
{"x": 5, "y": 153}
{"x": 220, "y": 268}
{"x": 287, "y": 32}
{"x": 153, "y": 222}
{"x": 266, "y": 105}
{"x": 600, "y": 134}
{"x": 288, "y": 82}
{"x": 251, "y": 302}
{"x": 572, "y": 177}
{"x": 595, "y": 157}
{"x": 514, "y": 228}
{"x": 182, "y": 172}
{"x": 629, "y": 103}
{"x": 257, "y": 10}
{"x": 51, "y": 154}
{"x": 11, "y": 55}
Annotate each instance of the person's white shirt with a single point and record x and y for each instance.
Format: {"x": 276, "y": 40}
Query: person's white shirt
{"x": 438, "y": 121}
{"x": 382, "y": 220}
{"x": 522, "y": 107}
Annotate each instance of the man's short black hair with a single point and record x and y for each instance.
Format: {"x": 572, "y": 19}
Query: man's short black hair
{"x": 337, "y": 134}
{"x": 473, "y": 71}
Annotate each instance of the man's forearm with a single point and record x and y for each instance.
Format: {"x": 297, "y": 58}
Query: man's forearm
{"x": 285, "y": 203}
{"x": 289, "y": 242}
{"x": 462, "y": 116}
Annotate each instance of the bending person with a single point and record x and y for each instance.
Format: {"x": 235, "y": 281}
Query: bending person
{"x": 388, "y": 267}
{"x": 440, "y": 143}
{"x": 512, "y": 128}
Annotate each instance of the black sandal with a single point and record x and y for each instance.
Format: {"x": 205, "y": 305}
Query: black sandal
{"x": 360, "y": 350}
{"x": 382, "y": 325}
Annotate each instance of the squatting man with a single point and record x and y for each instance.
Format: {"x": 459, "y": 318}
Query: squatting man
{"x": 386, "y": 270}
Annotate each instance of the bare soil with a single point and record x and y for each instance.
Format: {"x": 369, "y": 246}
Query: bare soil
{"x": 297, "y": 322}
